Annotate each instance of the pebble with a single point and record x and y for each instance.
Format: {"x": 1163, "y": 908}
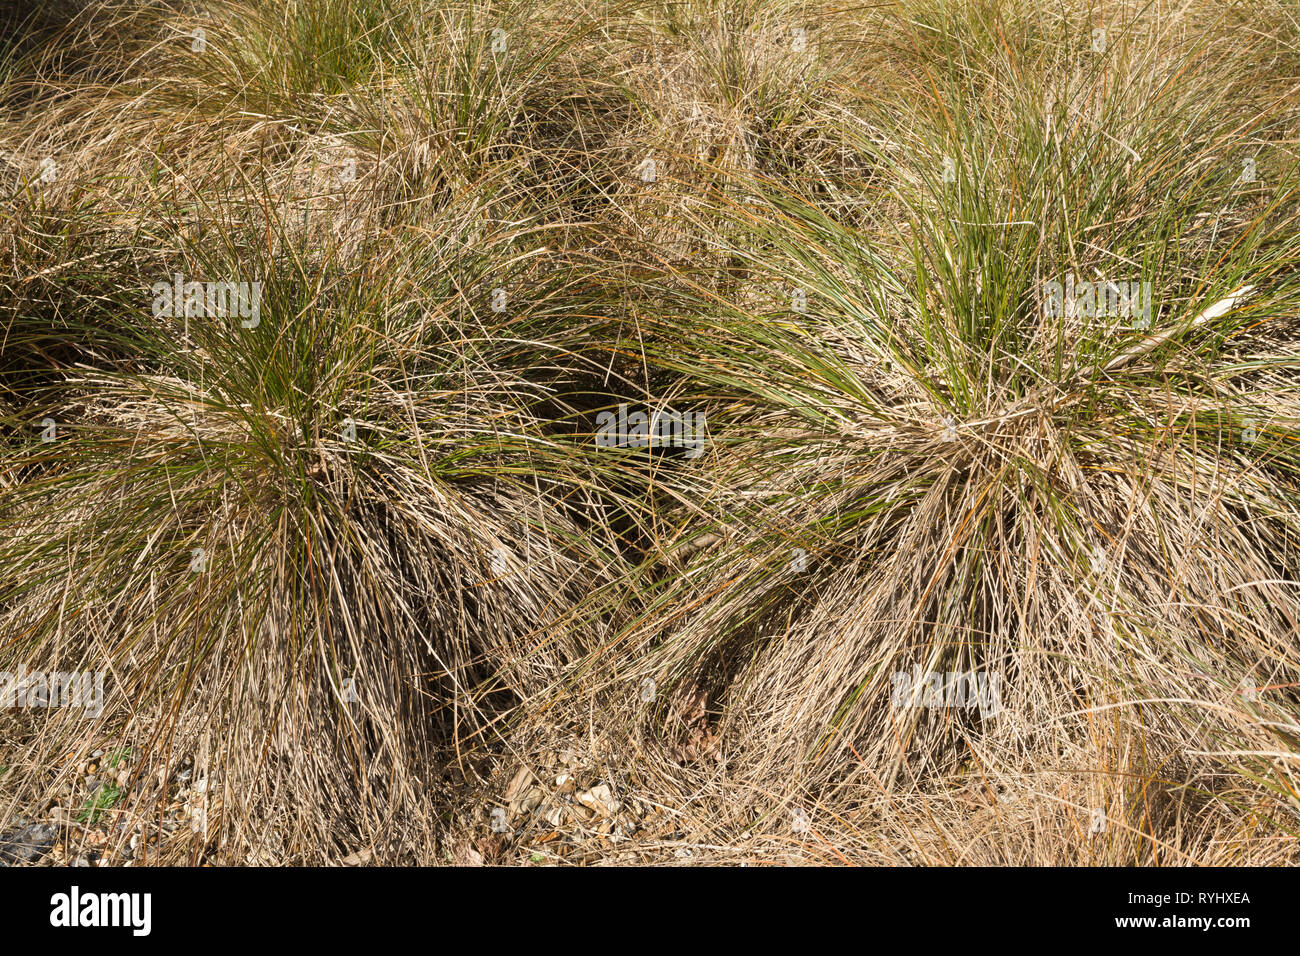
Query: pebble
{"x": 27, "y": 844}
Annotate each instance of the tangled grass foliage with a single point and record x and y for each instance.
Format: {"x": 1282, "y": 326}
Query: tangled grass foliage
{"x": 988, "y": 316}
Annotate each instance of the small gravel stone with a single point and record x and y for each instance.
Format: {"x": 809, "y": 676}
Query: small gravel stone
{"x": 27, "y": 844}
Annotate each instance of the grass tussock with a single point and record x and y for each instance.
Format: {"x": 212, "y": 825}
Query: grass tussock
{"x": 986, "y": 316}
